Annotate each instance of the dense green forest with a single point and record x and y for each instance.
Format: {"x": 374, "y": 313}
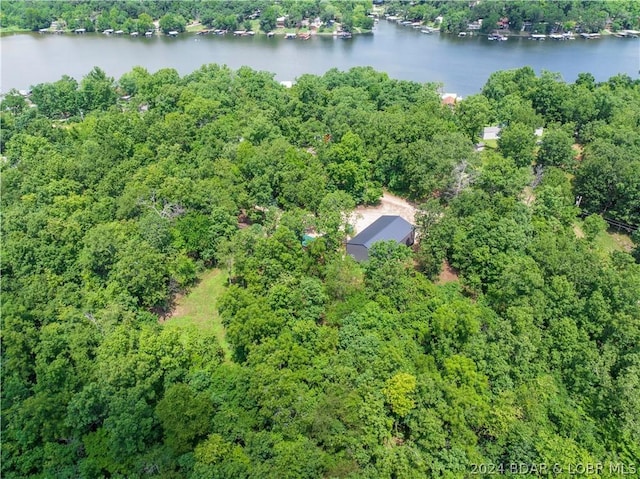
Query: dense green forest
{"x": 138, "y": 15}
{"x": 539, "y": 16}
{"x": 116, "y": 194}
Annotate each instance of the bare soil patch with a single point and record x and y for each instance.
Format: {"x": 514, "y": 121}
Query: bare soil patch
{"x": 178, "y": 309}
{"x": 389, "y": 205}
{"x": 578, "y": 231}
{"x": 578, "y": 149}
{"x": 447, "y": 273}
{"x": 622, "y": 241}
{"x": 528, "y": 196}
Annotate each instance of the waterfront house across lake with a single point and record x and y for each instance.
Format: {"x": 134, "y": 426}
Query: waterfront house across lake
{"x": 627, "y": 34}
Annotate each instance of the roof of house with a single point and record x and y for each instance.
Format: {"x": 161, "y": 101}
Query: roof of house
{"x": 450, "y": 98}
{"x": 384, "y": 228}
{"x": 491, "y": 133}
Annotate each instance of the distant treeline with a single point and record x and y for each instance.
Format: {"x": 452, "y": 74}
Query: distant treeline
{"x": 138, "y": 16}
{"x": 538, "y": 16}
{"x": 116, "y": 193}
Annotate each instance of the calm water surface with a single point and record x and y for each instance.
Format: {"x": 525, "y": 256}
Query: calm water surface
{"x": 462, "y": 65}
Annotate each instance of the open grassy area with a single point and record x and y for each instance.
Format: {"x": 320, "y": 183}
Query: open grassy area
{"x": 195, "y": 27}
{"x": 199, "y": 307}
{"x": 610, "y": 241}
{"x": 255, "y": 26}
{"x": 12, "y": 29}
{"x": 493, "y": 144}
{"x": 607, "y": 241}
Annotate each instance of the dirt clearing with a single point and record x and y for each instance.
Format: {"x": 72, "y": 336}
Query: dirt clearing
{"x": 447, "y": 273}
{"x": 389, "y": 205}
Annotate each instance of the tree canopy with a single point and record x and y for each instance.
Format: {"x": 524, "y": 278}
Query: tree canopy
{"x": 117, "y": 193}
{"x": 536, "y": 16}
{"x": 172, "y": 15}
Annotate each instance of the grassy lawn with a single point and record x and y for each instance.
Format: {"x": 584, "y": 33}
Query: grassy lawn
{"x": 607, "y": 241}
{"x": 610, "y": 241}
{"x": 199, "y": 307}
{"x": 255, "y": 26}
{"x": 12, "y": 29}
{"x": 197, "y": 27}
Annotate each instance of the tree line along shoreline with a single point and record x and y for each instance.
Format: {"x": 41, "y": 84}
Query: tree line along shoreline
{"x": 261, "y": 16}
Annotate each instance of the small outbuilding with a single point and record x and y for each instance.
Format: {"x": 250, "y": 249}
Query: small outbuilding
{"x": 385, "y": 228}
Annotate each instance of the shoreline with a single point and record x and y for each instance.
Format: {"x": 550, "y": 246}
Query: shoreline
{"x": 301, "y": 34}
{"x": 306, "y": 33}
{"x": 283, "y": 33}
{"x": 197, "y": 29}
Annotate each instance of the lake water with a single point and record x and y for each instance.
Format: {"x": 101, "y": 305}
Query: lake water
{"x": 462, "y": 65}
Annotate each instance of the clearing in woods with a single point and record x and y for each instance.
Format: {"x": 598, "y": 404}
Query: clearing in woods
{"x": 607, "y": 241}
{"x": 447, "y": 273}
{"x": 200, "y": 307}
{"x": 389, "y": 205}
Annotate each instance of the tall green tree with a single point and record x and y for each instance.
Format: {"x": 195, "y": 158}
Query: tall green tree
{"x": 517, "y": 141}
{"x": 172, "y": 22}
{"x": 473, "y": 114}
{"x": 59, "y": 99}
{"x": 556, "y": 149}
{"x": 97, "y": 91}
{"x": 268, "y": 19}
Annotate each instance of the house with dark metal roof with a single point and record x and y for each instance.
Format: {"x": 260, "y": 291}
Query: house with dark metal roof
{"x": 385, "y": 228}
